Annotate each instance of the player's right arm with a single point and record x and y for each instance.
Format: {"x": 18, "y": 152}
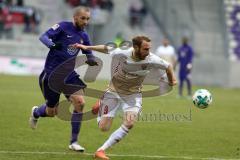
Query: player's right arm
{"x": 50, "y": 36}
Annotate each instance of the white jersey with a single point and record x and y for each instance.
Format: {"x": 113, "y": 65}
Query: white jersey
{"x": 167, "y": 53}
{"x": 128, "y": 74}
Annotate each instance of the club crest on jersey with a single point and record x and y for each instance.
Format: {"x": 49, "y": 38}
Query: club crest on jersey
{"x": 144, "y": 66}
{"x": 72, "y": 51}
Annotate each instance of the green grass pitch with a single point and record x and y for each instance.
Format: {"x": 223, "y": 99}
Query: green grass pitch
{"x": 185, "y": 132}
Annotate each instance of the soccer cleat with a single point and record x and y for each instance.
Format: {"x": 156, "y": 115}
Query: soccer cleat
{"x": 76, "y": 147}
{"x": 95, "y": 108}
{"x": 100, "y": 155}
{"x": 32, "y": 120}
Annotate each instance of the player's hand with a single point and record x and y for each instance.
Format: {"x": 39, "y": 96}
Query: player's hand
{"x": 91, "y": 63}
{"x": 57, "y": 46}
{"x": 172, "y": 83}
{"x": 189, "y": 66}
{"x": 80, "y": 46}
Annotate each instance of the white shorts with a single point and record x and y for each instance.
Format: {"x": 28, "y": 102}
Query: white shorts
{"x": 111, "y": 102}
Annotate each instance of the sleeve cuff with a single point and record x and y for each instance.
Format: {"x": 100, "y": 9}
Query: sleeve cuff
{"x": 90, "y": 57}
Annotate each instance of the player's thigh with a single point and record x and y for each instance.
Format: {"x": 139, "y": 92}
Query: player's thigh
{"x": 76, "y": 98}
{"x": 129, "y": 118}
{"x": 74, "y": 80}
{"x": 51, "y": 96}
{"x": 132, "y": 107}
{"x": 107, "y": 111}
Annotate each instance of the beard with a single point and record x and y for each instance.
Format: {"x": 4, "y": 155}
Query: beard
{"x": 140, "y": 56}
{"x": 79, "y": 26}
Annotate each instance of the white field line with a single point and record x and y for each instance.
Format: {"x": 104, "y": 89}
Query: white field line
{"x": 115, "y": 155}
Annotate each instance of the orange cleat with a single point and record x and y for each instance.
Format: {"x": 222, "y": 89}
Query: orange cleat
{"x": 95, "y": 108}
{"x": 100, "y": 155}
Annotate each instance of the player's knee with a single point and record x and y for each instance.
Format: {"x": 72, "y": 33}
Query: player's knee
{"x": 103, "y": 128}
{"x": 129, "y": 124}
{"x": 79, "y": 108}
{"x": 79, "y": 105}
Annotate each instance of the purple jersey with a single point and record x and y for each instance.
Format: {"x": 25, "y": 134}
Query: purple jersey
{"x": 64, "y": 33}
{"x": 185, "y": 55}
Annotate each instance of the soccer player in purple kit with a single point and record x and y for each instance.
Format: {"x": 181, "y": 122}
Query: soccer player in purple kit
{"x": 59, "y": 39}
{"x": 185, "y": 56}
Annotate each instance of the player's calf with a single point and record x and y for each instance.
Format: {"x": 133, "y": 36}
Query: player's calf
{"x": 51, "y": 112}
{"x": 129, "y": 124}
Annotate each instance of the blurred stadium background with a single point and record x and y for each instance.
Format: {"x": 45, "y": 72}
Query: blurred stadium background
{"x": 213, "y": 27}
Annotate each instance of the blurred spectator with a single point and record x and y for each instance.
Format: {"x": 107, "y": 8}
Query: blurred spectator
{"x": 6, "y": 23}
{"x": 73, "y": 3}
{"x": 27, "y": 20}
{"x": 235, "y": 29}
{"x": 86, "y": 3}
{"x": 32, "y": 20}
{"x": 9, "y": 2}
{"x": 185, "y": 56}
{"x": 137, "y": 13}
{"x": 94, "y": 3}
{"x": 1, "y": 21}
{"x": 106, "y": 5}
{"x": 20, "y": 3}
{"x": 36, "y": 21}
{"x": 167, "y": 52}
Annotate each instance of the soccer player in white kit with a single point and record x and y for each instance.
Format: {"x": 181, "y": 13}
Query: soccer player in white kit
{"x": 124, "y": 90}
{"x": 167, "y": 52}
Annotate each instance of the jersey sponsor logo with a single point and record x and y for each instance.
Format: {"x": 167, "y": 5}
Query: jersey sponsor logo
{"x": 55, "y": 26}
{"x": 72, "y": 51}
{"x": 144, "y": 66}
{"x": 183, "y": 54}
{"x": 69, "y": 36}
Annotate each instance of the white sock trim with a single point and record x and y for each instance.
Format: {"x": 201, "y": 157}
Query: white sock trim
{"x": 115, "y": 137}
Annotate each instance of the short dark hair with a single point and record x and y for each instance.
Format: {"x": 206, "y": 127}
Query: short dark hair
{"x": 137, "y": 41}
{"x": 185, "y": 40}
{"x": 78, "y": 9}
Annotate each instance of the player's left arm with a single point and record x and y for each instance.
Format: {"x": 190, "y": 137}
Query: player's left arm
{"x": 49, "y": 38}
{"x": 172, "y": 81}
{"x": 162, "y": 64}
{"x": 90, "y": 57}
